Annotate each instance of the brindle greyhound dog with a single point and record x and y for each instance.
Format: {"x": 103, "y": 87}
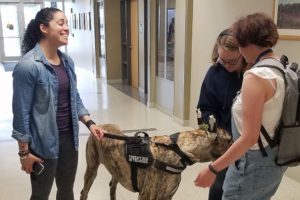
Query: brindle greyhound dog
{"x": 154, "y": 184}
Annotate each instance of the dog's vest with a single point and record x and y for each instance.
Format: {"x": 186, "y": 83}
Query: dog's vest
{"x": 138, "y": 154}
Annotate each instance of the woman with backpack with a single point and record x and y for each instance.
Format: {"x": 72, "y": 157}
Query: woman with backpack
{"x": 252, "y": 175}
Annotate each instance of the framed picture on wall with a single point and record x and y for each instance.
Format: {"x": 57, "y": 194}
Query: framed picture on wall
{"x": 87, "y": 20}
{"x": 287, "y": 18}
{"x": 70, "y": 25}
{"x": 74, "y": 21}
{"x": 90, "y": 22}
{"x": 84, "y": 21}
{"x": 79, "y": 27}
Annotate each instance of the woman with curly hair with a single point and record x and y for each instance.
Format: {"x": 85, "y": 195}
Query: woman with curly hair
{"x": 47, "y": 107}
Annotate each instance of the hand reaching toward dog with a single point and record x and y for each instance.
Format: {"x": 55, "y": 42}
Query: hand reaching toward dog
{"x": 92, "y": 126}
{"x": 97, "y": 131}
{"x": 205, "y": 178}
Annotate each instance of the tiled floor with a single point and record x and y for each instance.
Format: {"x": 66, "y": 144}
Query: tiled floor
{"x": 131, "y": 91}
{"x": 107, "y": 105}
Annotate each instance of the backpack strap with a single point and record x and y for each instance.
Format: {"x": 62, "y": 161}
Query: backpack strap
{"x": 270, "y": 141}
{"x": 283, "y": 62}
{"x": 261, "y": 147}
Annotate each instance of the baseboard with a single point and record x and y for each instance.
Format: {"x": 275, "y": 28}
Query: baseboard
{"x": 114, "y": 81}
{"x": 181, "y": 121}
{"x": 151, "y": 104}
{"x": 164, "y": 110}
{"x": 167, "y": 112}
{"x": 141, "y": 90}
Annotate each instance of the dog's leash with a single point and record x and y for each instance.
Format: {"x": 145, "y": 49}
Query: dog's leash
{"x": 116, "y": 137}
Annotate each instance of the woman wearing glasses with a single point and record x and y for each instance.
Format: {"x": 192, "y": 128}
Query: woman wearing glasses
{"x": 221, "y": 84}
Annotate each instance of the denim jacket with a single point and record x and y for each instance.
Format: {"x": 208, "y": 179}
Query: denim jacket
{"x": 35, "y": 94}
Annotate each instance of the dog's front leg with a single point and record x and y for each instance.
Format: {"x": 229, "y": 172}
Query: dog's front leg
{"x": 113, "y": 187}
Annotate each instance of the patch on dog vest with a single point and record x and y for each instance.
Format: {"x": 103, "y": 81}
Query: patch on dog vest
{"x": 138, "y": 151}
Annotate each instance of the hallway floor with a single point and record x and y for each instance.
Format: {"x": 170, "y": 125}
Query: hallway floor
{"x": 106, "y": 105}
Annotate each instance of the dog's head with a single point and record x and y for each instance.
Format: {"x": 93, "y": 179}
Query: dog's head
{"x": 220, "y": 141}
{"x": 203, "y": 146}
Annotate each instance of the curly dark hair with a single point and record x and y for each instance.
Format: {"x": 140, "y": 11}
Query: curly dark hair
{"x": 33, "y": 32}
{"x": 258, "y": 29}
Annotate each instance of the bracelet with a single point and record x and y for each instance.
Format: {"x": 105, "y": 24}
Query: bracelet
{"x": 210, "y": 167}
{"x": 23, "y": 154}
{"x": 89, "y": 123}
{"x": 24, "y": 157}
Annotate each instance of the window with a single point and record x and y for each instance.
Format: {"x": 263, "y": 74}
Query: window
{"x": 166, "y": 39}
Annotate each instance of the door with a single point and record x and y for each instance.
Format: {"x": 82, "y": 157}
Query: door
{"x": 125, "y": 42}
{"x": 165, "y": 55}
{"x": 14, "y": 19}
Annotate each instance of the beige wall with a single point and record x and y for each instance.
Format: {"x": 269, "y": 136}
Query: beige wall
{"x": 79, "y": 47}
{"x": 182, "y": 61}
{"x": 113, "y": 39}
{"x": 291, "y": 48}
{"x": 210, "y": 17}
{"x": 152, "y": 51}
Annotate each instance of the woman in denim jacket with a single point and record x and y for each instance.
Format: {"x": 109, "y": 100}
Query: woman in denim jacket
{"x": 47, "y": 107}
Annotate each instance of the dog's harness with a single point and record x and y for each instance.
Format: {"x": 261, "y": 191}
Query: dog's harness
{"x": 138, "y": 154}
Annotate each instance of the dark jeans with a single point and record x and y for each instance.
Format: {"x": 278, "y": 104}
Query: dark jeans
{"x": 216, "y": 190}
{"x": 62, "y": 169}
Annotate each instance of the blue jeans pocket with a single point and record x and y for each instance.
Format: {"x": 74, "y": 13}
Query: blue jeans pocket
{"x": 239, "y": 165}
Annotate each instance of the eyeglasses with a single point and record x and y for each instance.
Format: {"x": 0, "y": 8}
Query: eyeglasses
{"x": 229, "y": 62}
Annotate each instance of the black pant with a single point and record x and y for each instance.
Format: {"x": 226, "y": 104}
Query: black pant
{"x": 216, "y": 190}
{"x": 62, "y": 169}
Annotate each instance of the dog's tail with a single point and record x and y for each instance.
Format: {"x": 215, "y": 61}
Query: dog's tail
{"x": 93, "y": 162}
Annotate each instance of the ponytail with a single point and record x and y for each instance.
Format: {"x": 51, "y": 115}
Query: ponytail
{"x": 31, "y": 37}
